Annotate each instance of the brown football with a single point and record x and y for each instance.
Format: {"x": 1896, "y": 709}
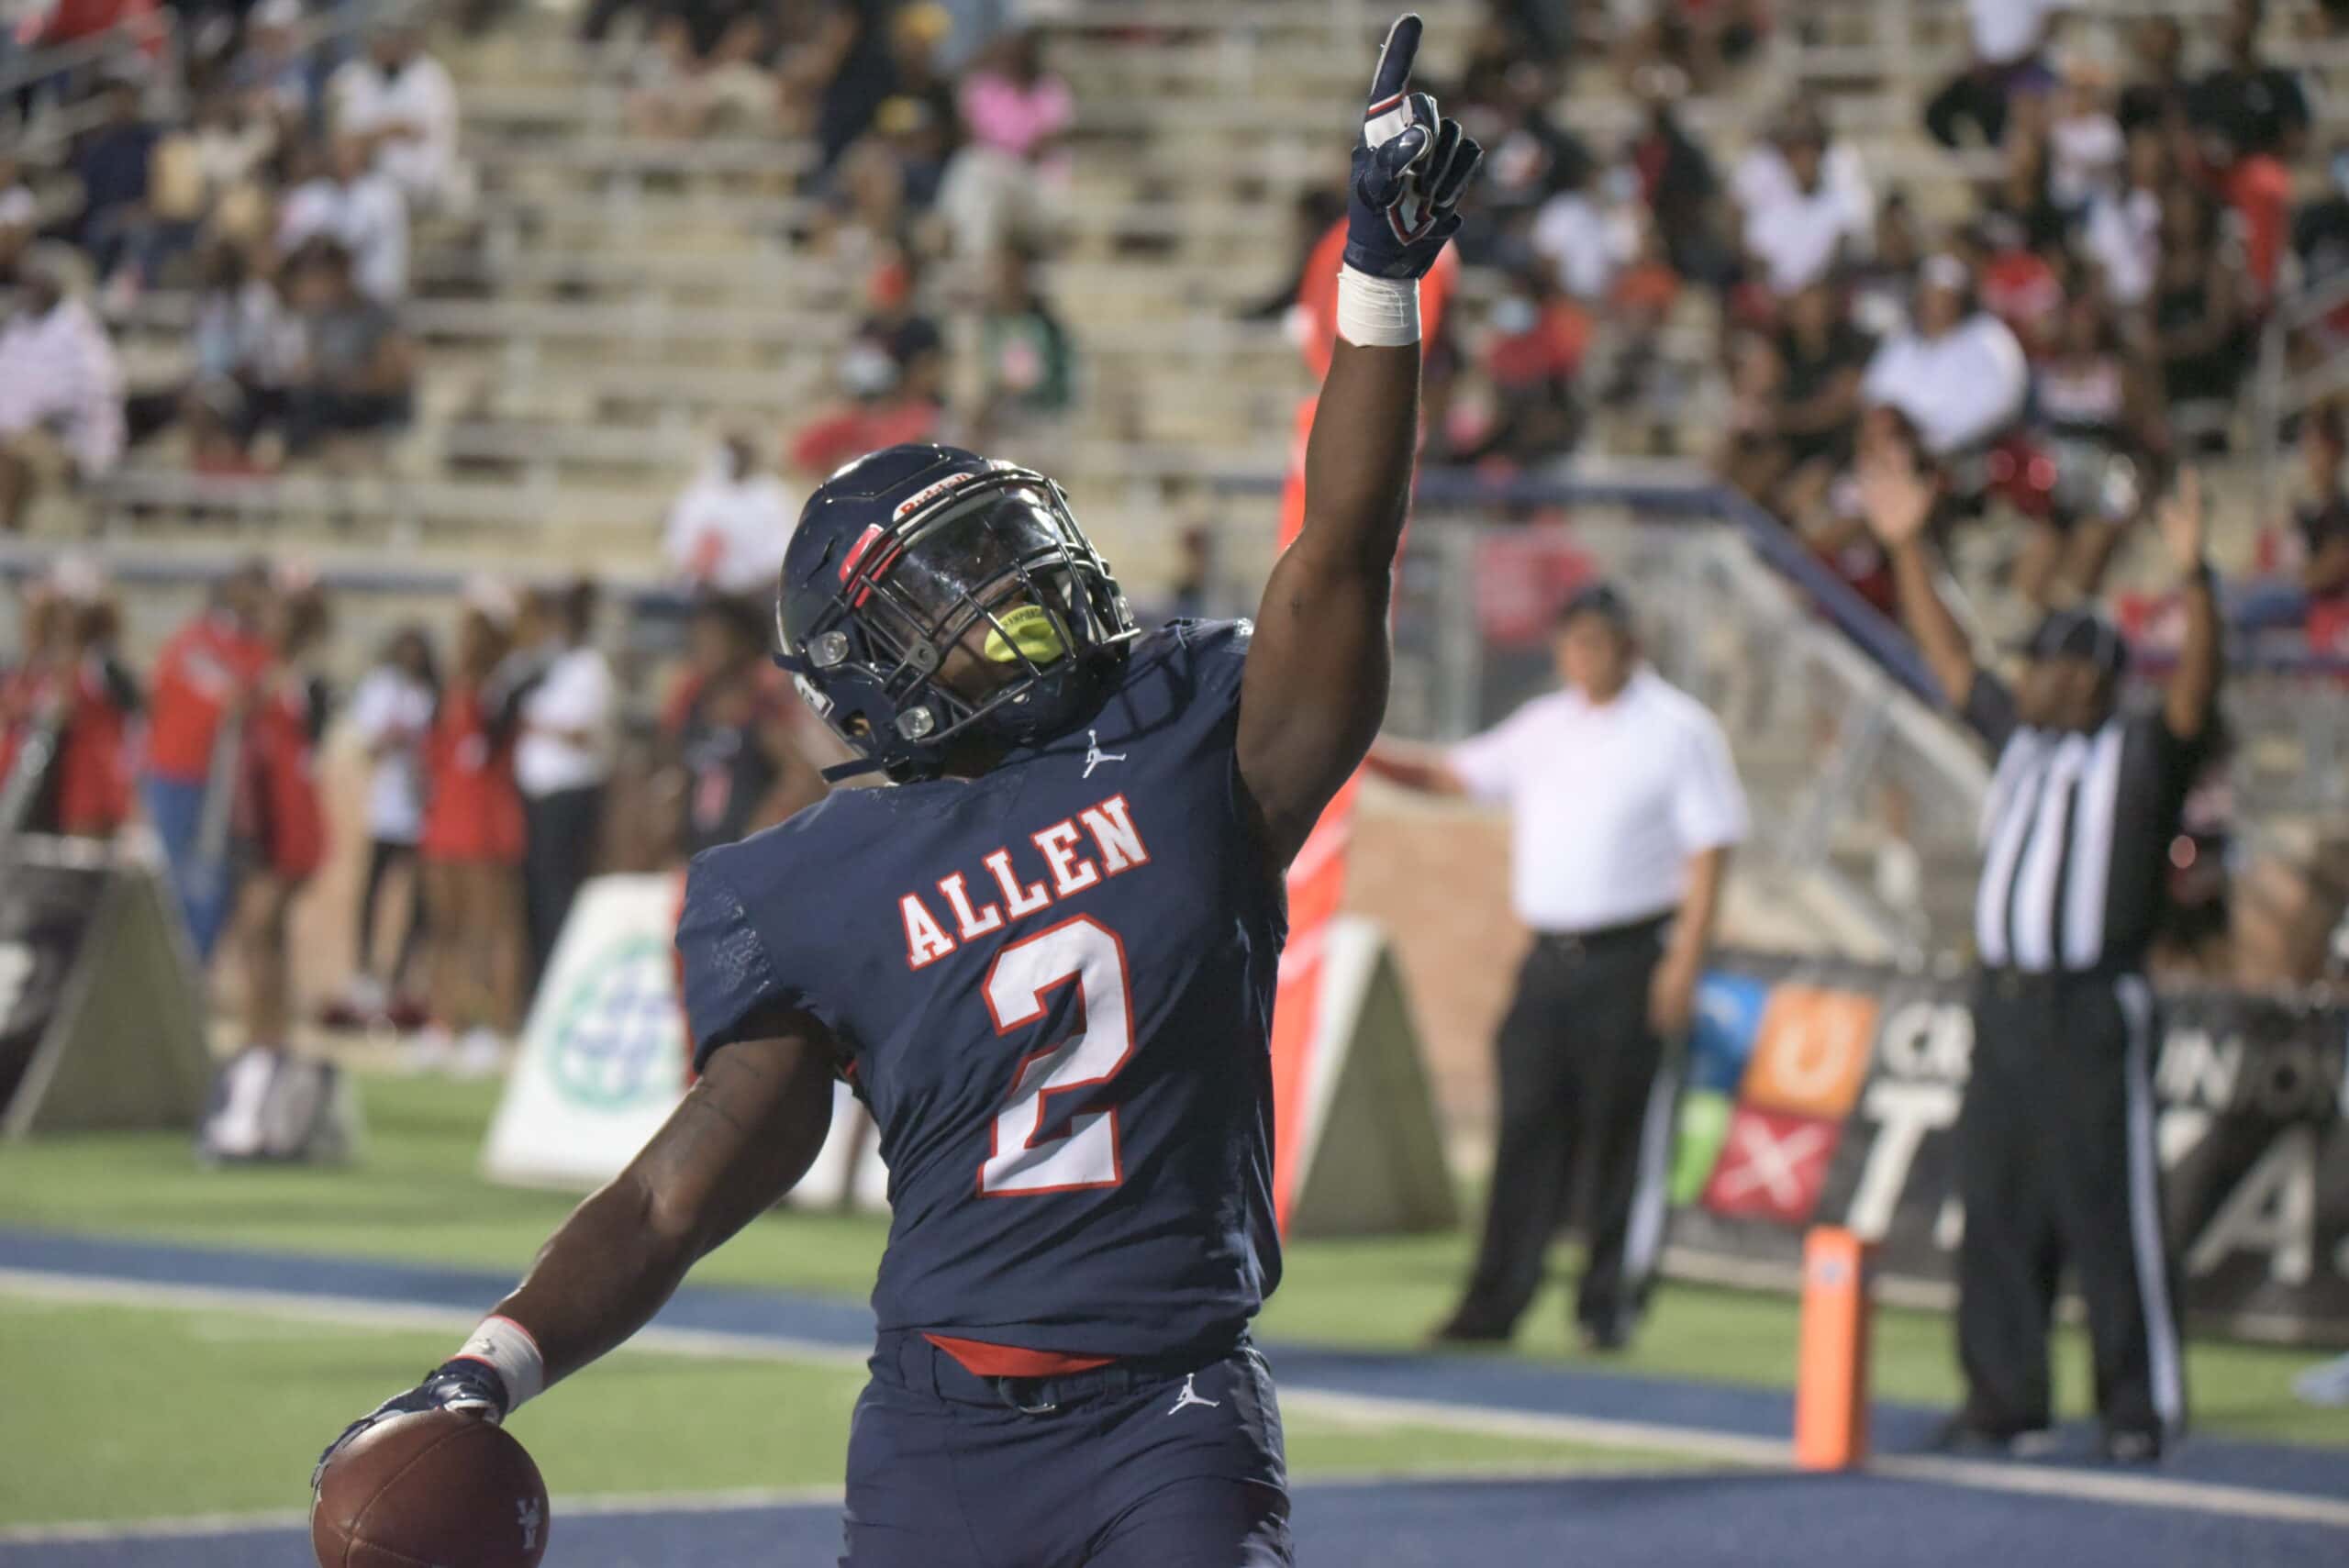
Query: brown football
{"x": 432, "y": 1490}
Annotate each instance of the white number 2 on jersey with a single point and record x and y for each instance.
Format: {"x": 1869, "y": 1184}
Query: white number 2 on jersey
{"x": 1087, "y": 953}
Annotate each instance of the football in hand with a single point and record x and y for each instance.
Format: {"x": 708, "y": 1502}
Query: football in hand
{"x": 433, "y": 1490}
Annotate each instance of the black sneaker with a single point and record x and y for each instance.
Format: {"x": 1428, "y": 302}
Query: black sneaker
{"x": 1464, "y": 1328}
{"x": 1962, "y": 1436}
{"x": 2132, "y": 1445}
{"x": 1604, "y": 1342}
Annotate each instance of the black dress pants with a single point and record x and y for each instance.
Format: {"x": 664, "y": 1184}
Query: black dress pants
{"x": 560, "y": 834}
{"x": 2056, "y": 1164}
{"x": 1584, "y": 1098}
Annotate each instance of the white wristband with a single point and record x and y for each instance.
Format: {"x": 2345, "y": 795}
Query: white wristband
{"x": 508, "y": 1347}
{"x": 1377, "y": 313}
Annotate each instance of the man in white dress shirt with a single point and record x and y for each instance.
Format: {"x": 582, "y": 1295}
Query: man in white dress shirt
{"x": 1623, "y": 806}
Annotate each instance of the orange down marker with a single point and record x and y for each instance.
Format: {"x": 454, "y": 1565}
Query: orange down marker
{"x": 1832, "y": 1375}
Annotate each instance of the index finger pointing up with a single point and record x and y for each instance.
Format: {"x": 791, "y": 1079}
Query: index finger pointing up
{"x": 1389, "y": 83}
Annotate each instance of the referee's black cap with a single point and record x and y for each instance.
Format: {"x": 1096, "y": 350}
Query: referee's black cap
{"x": 2079, "y": 634}
{"x": 1601, "y": 598}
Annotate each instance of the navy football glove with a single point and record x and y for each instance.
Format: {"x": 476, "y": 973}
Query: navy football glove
{"x": 1410, "y": 169}
{"x": 469, "y": 1385}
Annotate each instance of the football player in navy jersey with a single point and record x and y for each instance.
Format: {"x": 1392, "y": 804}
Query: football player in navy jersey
{"x": 1044, "y": 958}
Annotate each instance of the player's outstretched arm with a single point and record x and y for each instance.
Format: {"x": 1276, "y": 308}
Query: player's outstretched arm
{"x": 744, "y": 1134}
{"x": 743, "y": 1137}
{"x": 1316, "y": 683}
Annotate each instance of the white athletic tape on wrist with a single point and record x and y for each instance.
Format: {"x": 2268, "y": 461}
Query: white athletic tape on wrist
{"x": 1377, "y": 313}
{"x": 508, "y": 1346}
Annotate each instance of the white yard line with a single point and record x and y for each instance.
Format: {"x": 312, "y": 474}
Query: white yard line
{"x": 194, "y": 1525}
{"x": 2139, "y": 1489}
{"x": 2128, "y": 1489}
{"x": 363, "y": 1311}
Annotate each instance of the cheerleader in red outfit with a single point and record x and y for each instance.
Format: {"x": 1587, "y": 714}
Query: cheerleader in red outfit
{"x": 277, "y": 841}
{"x": 472, "y": 844}
{"x": 65, "y": 715}
{"x": 280, "y": 821}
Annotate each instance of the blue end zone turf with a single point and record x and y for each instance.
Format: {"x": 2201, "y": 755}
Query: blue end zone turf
{"x": 1739, "y": 1519}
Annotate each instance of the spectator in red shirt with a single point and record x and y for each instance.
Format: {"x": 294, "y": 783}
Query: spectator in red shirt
{"x": 204, "y": 679}
{"x": 889, "y": 405}
{"x": 472, "y": 845}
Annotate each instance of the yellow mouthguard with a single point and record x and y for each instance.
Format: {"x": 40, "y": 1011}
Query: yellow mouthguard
{"x": 1031, "y": 631}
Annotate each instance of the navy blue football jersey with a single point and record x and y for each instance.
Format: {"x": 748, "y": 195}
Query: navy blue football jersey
{"x": 1053, "y": 985}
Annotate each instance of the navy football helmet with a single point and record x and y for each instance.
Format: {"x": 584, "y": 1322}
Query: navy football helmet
{"x": 930, "y": 595}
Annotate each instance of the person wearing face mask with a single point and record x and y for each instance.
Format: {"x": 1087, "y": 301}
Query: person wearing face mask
{"x": 2055, "y": 1154}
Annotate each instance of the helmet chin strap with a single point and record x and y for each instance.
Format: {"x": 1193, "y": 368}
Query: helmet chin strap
{"x": 854, "y": 768}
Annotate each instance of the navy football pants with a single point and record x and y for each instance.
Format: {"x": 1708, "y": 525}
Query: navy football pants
{"x": 1118, "y": 1468}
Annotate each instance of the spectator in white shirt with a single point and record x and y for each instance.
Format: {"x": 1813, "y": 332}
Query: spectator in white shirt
{"x": 402, "y": 103}
{"x": 60, "y": 393}
{"x": 1764, "y": 174}
{"x": 561, "y": 760}
{"x": 1955, "y": 372}
{"x": 1798, "y": 229}
{"x": 2085, "y": 147}
{"x": 1623, "y": 807}
{"x": 2008, "y": 38}
{"x": 391, "y": 712}
{"x": 2123, "y": 234}
{"x": 358, "y": 209}
{"x": 1584, "y": 244}
{"x": 728, "y": 530}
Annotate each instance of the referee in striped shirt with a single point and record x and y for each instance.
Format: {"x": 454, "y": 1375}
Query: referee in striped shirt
{"x": 2055, "y": 1153}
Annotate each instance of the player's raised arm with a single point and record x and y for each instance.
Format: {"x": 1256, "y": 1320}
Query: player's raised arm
{"x": 744, "y": 1134}
{"x": 1316, "y": 683}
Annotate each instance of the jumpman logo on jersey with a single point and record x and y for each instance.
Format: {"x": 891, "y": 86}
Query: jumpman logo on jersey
{"x": 1191, "y": 1395}
{"x": 1095, "y": 756}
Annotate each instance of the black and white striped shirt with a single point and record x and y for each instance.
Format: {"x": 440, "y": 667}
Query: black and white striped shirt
{"x": 2075, "y": 836}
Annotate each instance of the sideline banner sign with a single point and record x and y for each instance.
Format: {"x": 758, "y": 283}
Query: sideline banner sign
{"x": 603, "y": 1057}
{"x": 1828, "y": 1093}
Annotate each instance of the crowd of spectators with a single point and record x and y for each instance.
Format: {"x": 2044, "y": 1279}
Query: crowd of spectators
{"x": 279, "y": 173}
{"x": 274, "y": 171}
{"x": 2053, "y": 354}
{"x": 939, "y": 177}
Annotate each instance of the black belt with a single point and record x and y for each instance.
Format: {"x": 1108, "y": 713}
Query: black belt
{"x": 1599, "y": 938}
{"x": 911, "y": 1361}
{"x": 2015, "y": 984}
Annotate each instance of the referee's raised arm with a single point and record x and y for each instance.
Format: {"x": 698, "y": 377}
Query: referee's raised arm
{"x": 1898, "y": 502}
{"x": 2193, "y": 690}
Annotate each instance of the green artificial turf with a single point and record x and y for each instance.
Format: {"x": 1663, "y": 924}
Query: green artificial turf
{"x": 121, "y": 1413}
{"x": 417, "y": 1195}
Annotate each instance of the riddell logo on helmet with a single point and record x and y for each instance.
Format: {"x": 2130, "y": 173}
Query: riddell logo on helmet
{"x": 928, "y": 494}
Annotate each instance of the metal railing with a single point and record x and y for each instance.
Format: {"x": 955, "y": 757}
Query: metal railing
{"x": 1865, "y": 801}
{"x": 2277, "y": 390}
{"x": 1860, "y": 795}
